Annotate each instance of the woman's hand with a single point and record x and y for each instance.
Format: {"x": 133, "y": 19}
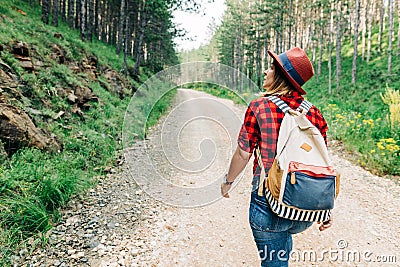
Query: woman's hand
{"x": 225, "y": 189}
{"x": 325, "y": 225}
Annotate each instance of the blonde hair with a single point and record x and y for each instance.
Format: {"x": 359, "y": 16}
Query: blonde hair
{"x": 281, "y": 85}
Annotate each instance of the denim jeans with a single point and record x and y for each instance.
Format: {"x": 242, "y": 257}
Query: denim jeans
{"x": 272, "y": 234}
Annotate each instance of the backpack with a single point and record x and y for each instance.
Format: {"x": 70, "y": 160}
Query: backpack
{"x": 301, "y": 184}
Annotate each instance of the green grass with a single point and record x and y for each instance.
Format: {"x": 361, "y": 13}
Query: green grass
{"x": 34, "y": 184}
{"x": 356, "y": 114}
{"x": 219, "y": 91}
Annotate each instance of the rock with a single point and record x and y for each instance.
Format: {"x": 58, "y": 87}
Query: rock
{"x": 98, "y": 263}
{"x": 3, "y": 154}
{"x": 71, "y": 96}
{"x": 72, "y": 220}
{"x": 23, "y": 252}
{"x": 58, "y": 35}
{"x": 85, "y": 94}
{"x": 76, "y": 110}
{"x": 34, "y": 111}
{"x": 38, "y": 64}
{"x": 20, "y": 49}
{"x": 16, "y": 129}
{"x": 27, "y": 64}
{"x": 58, "y": 53}
{"x": 58, "y": 115}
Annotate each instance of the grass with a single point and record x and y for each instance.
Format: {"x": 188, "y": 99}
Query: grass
{"x": 219, "y": 91}
{"x": 34, "y": 184}
{"x": 357, "y": 114}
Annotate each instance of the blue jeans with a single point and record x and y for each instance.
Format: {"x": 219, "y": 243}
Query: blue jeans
{"x": 272, "y": 234}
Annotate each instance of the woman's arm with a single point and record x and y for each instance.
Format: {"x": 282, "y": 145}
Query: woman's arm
{"x": 238, "y": 163}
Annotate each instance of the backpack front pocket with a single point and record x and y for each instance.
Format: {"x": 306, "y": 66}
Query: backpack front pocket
{"x": 309, "y": 193}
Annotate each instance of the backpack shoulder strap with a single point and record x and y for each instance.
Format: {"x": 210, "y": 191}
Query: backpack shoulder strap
{"x": 305, "y": 105}
{"x": 280, "y": 103}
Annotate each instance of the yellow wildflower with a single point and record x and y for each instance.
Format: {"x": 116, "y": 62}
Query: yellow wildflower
{"x": 340, "y": 117}
{"x": 389, "y": 140}
{"x": 380, "y": 146}
{"x": 392, "y": 147}
{"x": 370, "y": 122}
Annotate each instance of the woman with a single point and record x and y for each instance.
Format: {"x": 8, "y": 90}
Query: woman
{"x": 288, "y": 72}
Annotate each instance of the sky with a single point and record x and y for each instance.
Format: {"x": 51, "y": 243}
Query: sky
{"x": 197, "y": 24}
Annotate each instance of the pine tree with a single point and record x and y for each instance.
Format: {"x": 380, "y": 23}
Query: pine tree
{"x": 356, "y": 18}
{"x": 390, "y": 37}
{"x": 55, "y": 13}
{"x": 45, "y": 11}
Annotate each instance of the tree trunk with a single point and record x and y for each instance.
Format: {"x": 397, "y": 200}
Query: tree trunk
{"x": 354, "y": 68}
{"x": 321, "y": 45}
{"x": 259, "y": 67}
{"x": 390, "y": 38}
{"x": 113, "y": 27}
{"x": 381, "y": 23}
{"x": 289, "y": 43}
{"x": 97, "y": 11}
{"x": 265, "y": 48}
{"x": 364, "y": 27}
{"x": 103, "y": 22}
{"x": 127, "y": 37}
{"x": 296, "y": 24}
{"x": 90, "y": 20}
{"x": 83, "y": 20}
{"x": 71, "y": 4}
{"x": 330, "y": 48}
{"x": 63, "y": 11}
{"x": 370, "y": 22}
{"x": 281, "y": 32}
{"x": 398, "y": 30}
{"x": 45, "y": 11}
{"x": 236, "y": 57}
{"x": 339, "y": 46}
{"x": 107, "y": 24}
{"x": 121, "y": 26}
{"x": 77, "y": 14}
{"x": 139, "y": 52}
{"x": 55, "y": 13}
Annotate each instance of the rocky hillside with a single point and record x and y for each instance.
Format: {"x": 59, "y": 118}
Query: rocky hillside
{"x": 21, "y": 107}
{"x": 62, "y": 106}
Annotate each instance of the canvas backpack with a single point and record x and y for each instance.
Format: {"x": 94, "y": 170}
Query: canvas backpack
{"x": 302, "y": 183}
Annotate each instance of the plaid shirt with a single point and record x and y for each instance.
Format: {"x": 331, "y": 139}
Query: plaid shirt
{"x": 261, "y": 126}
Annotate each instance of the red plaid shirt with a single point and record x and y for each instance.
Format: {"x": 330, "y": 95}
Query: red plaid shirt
{"x": 261, "y": 126}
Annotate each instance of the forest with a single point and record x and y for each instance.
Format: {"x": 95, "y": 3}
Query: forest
{"x": 322, "y": 28}
{"x": 139, "y": 29}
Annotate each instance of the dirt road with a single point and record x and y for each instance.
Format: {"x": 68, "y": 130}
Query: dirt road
{"x": 181, "y": 164}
